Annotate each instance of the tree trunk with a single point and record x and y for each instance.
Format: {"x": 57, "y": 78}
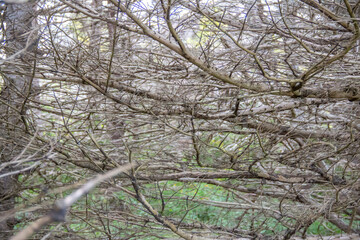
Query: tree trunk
{"x": 21, "y": 39}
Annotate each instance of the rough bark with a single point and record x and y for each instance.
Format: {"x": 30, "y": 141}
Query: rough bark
{"x": 20, "y": 42}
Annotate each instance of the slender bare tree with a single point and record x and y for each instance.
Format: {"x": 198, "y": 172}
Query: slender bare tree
{"x": 20, "y": 41}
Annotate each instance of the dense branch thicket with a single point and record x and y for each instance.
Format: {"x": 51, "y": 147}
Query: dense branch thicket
{"x": 241, "y": 118}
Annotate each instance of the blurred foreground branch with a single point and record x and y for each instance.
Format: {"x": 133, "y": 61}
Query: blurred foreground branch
{"x": 58, "y": 213}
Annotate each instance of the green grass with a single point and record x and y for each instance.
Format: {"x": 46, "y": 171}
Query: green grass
{"x": 178, "y": 206}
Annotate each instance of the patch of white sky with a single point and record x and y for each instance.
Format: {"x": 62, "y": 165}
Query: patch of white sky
{"x": 235, "y": 8}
